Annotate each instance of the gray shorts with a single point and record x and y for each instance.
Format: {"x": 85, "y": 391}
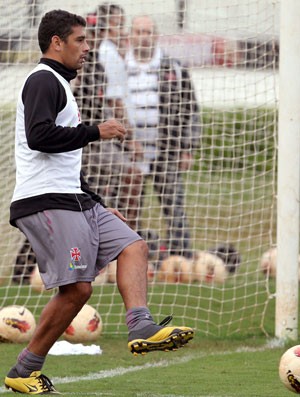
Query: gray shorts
{"x": 73, "y": 246}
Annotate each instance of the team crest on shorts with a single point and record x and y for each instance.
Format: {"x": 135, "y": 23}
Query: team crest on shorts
{"x": 76, "y": 259}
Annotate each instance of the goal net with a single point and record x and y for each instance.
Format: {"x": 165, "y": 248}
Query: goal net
{"x": 197, "y": 178}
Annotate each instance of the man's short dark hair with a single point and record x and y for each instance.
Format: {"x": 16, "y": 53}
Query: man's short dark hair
{"x": 57, "y": 23}
{"x": 105, "y": 11}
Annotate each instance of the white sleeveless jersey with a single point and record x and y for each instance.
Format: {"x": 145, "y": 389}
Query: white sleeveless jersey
{"x": 38, "y": 172}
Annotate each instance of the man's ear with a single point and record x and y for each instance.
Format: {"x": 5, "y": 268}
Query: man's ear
{"x": 56, "y": 42}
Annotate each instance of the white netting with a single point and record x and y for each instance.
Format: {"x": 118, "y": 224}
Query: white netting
{"x": 230, "y": 49}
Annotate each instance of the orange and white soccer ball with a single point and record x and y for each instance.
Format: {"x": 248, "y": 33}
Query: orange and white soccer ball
{"x": 209, "y": 268}
{"x": 268, "y": 263}
{"x": 85, "y": 327}
{"x": 289, "y": 369}
{"x": 17, "y": 324}
{"x": 175, "y": 269}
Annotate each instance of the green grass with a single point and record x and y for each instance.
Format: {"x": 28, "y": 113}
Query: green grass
{"x": 231, "y": 196}
{"x": 237, "y": 308}
{"x": 205, "y": 367}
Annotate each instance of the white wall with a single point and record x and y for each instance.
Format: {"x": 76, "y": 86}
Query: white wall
{"x": 162, "y": 10}
{"x": 226, "y": 17}
{"x": 238, "y": 18}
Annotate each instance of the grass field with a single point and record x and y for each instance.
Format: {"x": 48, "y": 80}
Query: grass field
{"x": 230, "y": 197}
{"x": 234, "y": 309}
{"x": 205, "y": 367}
{"x": 243, "y": 364}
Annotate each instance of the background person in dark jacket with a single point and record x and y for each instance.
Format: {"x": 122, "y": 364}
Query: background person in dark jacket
{"x": 167, "y": 125}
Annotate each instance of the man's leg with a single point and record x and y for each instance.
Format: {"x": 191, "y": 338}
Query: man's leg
{"x": 132, "y": 274}
{"x": 54, "y": 321}
{"x": 25, "y": 376}
{"x": 169, "y": 185}
{"x": 144, "y": 334}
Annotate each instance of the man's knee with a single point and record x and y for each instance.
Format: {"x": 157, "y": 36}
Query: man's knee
{"x": 80, "y": 292}
{"x": 85, "y": 290}
{"x": 138, "y": 249}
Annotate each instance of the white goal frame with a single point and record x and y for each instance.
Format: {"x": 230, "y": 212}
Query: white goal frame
{"x": 287, "y": 284}
{"x": 230, "y": 49}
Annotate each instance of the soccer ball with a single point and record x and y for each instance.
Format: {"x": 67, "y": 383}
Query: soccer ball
{"x": 175, "y": 269}
{"x": 289, "y": 369}
{"x": 17, "y": 324}
{"x": 85, "y": 327}
{"x": 268, "y": 263}
{"x": 209, "y": 268}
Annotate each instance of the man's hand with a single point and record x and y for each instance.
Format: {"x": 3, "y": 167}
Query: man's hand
{"x": 117, "y": 213}
{"x": 111, "y": 129}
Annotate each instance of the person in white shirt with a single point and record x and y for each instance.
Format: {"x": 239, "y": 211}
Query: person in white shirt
{"x": 165, "y": 114}
{"x": 112, "y": 48}
{"x": 110, "y": 169}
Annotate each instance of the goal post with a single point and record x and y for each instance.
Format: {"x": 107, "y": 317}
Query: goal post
{"x": 287, "y": 281}
{"x": 228, "y": 51}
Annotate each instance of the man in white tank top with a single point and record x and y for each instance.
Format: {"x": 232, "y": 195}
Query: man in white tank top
{"x": 71, "y": 232}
